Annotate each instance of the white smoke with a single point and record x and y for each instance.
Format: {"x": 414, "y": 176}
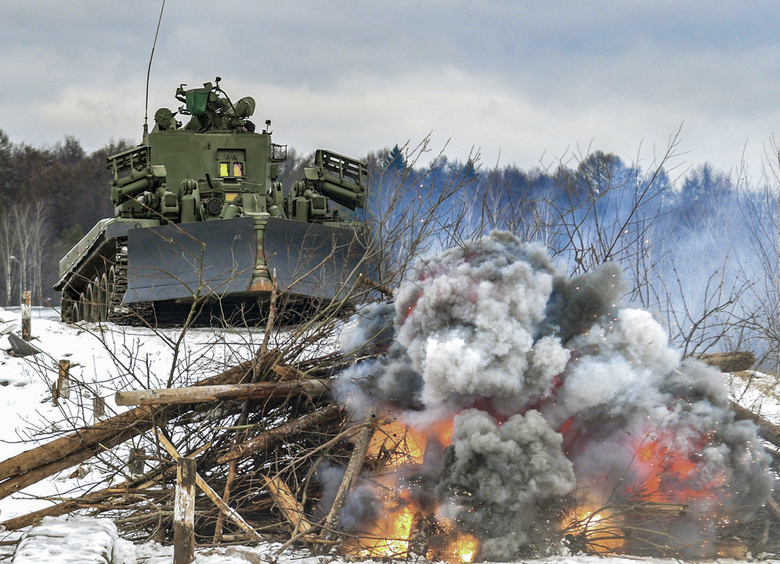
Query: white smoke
{"x": 554, "y": 386}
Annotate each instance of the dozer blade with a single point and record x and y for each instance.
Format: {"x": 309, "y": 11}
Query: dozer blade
{"x": 186, "y": 260}
{"x": 312, "y": 260}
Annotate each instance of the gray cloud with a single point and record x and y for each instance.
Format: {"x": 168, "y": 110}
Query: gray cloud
{"x": 521, "y": 81}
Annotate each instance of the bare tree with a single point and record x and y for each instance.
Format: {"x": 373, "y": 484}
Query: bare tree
{"x": 415, "y": 211}
{"x": 23, "y": 237}
{"x": 6, "y": 252}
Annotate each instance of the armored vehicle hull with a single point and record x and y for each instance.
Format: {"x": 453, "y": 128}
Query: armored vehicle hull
{"x": 202, "y": 227}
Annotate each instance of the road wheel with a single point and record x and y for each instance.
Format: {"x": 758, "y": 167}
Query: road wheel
{"x": 110, "y": 285}
{"x": 79, "y": 309}
{"x": 89, "y": 303}
{"x": 101, "y": 297}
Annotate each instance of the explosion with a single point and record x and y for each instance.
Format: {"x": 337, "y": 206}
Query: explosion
{"x": 529, "y": 411}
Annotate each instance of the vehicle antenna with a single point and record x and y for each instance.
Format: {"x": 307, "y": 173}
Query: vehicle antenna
{"x": 149, "y": 70}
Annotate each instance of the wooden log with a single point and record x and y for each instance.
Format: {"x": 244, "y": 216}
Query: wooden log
{"x": 289, "y": 373}
{"x": 261, "y": 390}
{"x": 38, "y": 463}
{"x": 767, "y": 430}
{"x": 730, "y": 362}
{"x": 270, "y": 438}
{"x": 287, "y": 503}
{"x": 350, "y": 475}
{"x": 184, "y": 512}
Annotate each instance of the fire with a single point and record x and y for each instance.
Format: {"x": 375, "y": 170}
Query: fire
{"x": 669, "y": 473}
{"x": 396, "y": 536}
{"x": 462, "y": 549}
{"x": 403, "y": 528}
{"x": 663, "y": 481}
{"x": 389, "y": 539}
{"x": 395, "y": 444}
{"x": 590, "y": 530}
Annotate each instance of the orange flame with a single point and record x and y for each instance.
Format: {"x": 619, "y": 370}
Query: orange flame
{"x": 668, "y": 473}
{"x": 462, "y": 548}
{"x": 393, "y": 446}
{"x": 596, "y": 528}
{"x": 389, "y": 539}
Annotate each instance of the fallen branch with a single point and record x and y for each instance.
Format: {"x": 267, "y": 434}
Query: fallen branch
{"x": 43, "y": 461}
{"x": 275, "y": 436}
{"x": 351, "y": 475}
{"x": 229, "y": 512}
{"x": 200, "y": 394}
{"x": 92, "y": 498}
{"x": 767, "y": 430}
{"x": 288, "y": 504}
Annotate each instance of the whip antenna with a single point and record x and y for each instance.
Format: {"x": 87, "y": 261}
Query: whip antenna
{"x": 149, "y": 70}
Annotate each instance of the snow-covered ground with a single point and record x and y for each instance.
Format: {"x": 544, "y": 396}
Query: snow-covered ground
{"x": 97, "y": 356}
{"x": 100, "y": 360}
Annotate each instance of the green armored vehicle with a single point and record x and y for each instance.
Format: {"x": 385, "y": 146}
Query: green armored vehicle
{"x": 200, "y": 218}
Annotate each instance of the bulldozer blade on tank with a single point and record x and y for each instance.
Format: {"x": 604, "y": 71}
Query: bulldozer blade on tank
{"x": 190, "y": 260}
{"x": 219, "y": 258}
{"x": 312, "y": 260}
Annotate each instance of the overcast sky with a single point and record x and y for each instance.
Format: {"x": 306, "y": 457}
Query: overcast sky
{"x": 525, "y": 82}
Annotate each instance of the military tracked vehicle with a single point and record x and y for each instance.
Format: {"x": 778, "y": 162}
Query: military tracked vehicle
{"x": 201, "y": 218}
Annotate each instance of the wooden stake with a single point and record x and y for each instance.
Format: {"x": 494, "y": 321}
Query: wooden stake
{"x": 184, "y": 512}
{"x": 26, "y": 316}
{"x": 63, "y": 380}
{"x": 287, "y": 504}
{"x": 98, "y": 409}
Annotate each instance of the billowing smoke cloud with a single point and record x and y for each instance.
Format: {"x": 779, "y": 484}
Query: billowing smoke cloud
{"x": 497, "y": 474}
{"x": 557, "y": 392}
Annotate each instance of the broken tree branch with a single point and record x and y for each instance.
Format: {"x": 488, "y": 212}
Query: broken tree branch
{"x": 33, "y": 465}
{"x": 200, "y": 394}
{"x": 287, "y": 503}
{"x": 274, "y": 436}
{"x": 351, "y": 475}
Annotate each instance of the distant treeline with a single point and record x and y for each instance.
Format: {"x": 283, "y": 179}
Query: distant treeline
{"x": 670, "y": 235}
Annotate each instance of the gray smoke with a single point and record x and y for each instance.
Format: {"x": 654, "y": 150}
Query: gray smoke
{"x": 495, "y": 476}
{"x": 554, "y": 387}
